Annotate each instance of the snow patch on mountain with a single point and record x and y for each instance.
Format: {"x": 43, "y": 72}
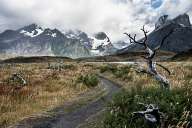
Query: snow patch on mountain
{"x": 97, "y": 43}
{"x": 54, "y": 35}
{"x": 102, "y": 46}
{"x": 32, "y": 30}
{"x": 34, "y": 33}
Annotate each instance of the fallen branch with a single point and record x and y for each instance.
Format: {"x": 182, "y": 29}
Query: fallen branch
{"x": 151, "y": 115}
{"x": 17, "y": 76}
{"x": 166, "y": 69}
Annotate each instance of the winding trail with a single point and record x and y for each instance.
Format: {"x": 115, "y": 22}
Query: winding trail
{"x": 77, "y": 117}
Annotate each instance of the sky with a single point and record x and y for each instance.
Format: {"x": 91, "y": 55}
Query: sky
{"x": 111, "y": 16}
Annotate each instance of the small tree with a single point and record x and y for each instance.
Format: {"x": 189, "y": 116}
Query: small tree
{"x": 150, "y": 54}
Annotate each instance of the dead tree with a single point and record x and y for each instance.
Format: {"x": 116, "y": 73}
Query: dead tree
{"x": 150, "y": 54}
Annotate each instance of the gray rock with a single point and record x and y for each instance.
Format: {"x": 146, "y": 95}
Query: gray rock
{"x": 100, "y": 36}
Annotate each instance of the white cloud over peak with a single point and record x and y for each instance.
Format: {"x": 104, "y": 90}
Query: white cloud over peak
{"x": 111, "y": 16}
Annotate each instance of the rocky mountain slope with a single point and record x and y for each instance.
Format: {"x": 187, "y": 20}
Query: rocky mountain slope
{"x": 33, "y": 40}
{"x": 179, "y": 41}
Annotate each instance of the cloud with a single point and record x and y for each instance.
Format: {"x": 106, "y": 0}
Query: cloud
{"x": 156, "y": 3}
{"x": 111, "y": 16}
{"x": 176, "y": 7}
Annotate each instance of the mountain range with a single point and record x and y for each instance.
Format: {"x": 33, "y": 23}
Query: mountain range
{"x": 33, "y": 40}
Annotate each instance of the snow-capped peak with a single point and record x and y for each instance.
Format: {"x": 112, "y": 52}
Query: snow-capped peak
{"x": 32, "y": 30}
{"x": 35, "y": 30}
{"x": 34, "y": 33}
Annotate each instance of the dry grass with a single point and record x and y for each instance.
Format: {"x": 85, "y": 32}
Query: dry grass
{"x": 45, "y": 89}
{"x": 181, "y": 75}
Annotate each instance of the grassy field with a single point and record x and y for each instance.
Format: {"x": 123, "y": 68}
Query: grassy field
{"x": 48, "y": 86}
{"x": 52, "y": 84}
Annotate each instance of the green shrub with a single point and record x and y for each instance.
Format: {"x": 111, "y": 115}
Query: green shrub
{"x": 172, "y": 103}
{"x": 119, "y": 72}
{"x": 108, "y": 67}
{"x": 122, "y": 72}
{"x": 90, "y": 80}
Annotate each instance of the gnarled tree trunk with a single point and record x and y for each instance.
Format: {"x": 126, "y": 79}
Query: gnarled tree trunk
{"x": 150, "y": 54}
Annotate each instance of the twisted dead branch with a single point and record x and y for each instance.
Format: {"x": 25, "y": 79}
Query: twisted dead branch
{"x": 150, "y": 54}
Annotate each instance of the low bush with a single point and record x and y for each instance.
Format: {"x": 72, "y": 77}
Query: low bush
{"x": 118, "y": 72}
{"x": 90, "y": 80}
{"x": 108, "y": 67}
{"x": 122, "y": 72}
{"x": 174, "y": 104}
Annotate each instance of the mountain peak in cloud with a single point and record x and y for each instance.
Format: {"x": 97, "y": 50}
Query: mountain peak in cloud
{"x": 182, "y": 19}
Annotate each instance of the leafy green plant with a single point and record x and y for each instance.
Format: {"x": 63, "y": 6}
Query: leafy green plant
{"x": 123, "y": 72}
{"x": 172, "y": 103}
{"x": 90, "y": 80}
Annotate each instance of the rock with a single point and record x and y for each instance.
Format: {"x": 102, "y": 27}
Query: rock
{"x": 179, "y": 41}
{"x": 161, "y": 21}
{"x": 100, "y": 36}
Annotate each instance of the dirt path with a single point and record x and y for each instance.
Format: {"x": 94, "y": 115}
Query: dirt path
{"x": 73, "y": 119}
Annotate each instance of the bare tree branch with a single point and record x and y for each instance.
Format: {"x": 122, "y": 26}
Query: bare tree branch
{"x": 166, "y": 69}
{"x": 146, "y": 37}
{"x": 150, "y": 54}
{"x": 133, "y": 39}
